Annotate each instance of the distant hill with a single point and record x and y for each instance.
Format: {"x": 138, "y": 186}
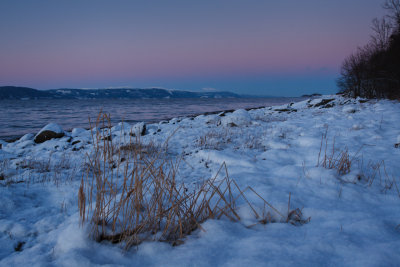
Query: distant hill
{"x": 13, "y": 92}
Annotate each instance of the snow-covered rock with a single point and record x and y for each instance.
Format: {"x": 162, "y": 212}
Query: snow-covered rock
{"x": 139, "y": 129}
{"x": 50, "y": 131}
{"x": 239, "y": 117}
{"x": 26, "y": 137}
{"x": 349, "y": 109}
{"x": 122, "y": 127}
{"x": 77, "y": 131}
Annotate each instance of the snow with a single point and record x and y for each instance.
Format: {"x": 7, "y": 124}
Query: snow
{"x": 354, "y": 216}
{"x": 239, "y": 117}
{"x": 2, "y": 143}
{"x": 76, "y": 132}
{"x": 122, "y": 126}
{"x": 27, "y": 137}
{"x": 53, "y": 127}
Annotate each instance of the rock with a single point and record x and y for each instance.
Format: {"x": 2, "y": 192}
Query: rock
{"x": 107, "y": 138}
{"x": 289, "y": 110}
{"x": 323, "y": 102}
{"x": 19, "y": 246}
{"x": 139, "y": 129}
{"x": 48, "y": 132}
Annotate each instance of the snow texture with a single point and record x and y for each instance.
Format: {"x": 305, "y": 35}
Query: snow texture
{"x": 239, "y": 117}
{"x": 354, "y": 215}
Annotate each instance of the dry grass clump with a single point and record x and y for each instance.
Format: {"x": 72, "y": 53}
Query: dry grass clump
{"x": 141, "y": 197}
{"x": 335, "y": 159}
{"x": 341, "y": 161}
{"x": 253, "y": 141}
{"x": 218, "y": 139}
{"x": 37, "y": 165}
{"x": 270, "y": 117}
{"x": 377, "y": 172}
{"x": 215, "y": 139}
{"x": 48, "y": 169}
{"x": 138, "y": 147}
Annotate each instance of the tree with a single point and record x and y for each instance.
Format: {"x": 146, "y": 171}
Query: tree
{"x": 382, "y": 30}
{"x": 393, "y": 7}
{"x": 373, "y": 70}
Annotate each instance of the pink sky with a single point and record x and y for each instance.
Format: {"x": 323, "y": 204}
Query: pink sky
{"x": 214, "y": 43}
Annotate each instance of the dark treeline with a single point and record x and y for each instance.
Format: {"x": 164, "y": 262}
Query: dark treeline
{"x": 373, "y": 71}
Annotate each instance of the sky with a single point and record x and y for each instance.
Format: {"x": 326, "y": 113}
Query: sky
{"x": 277, "y": 48}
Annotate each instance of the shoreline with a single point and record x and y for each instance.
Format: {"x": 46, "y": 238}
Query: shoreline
{"x": 13, "y": 138}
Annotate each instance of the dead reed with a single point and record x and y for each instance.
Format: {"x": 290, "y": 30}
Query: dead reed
{"x": 57, "y": 169}
{"x": 214, "y": 139}
{"x": 132, "y": 193}
{"x": 335, "y": 159}
{"x": 340, "y": 160}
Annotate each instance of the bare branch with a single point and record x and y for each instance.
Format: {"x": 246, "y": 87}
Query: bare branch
{"x": 393, "y": 6}
{"x": 382, "y": 30}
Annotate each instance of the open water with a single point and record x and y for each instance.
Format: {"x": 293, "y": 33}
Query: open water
{"x": 18, "y": 117}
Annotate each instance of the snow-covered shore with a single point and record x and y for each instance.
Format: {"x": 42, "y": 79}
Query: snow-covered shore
{"x": 278, "y": 151}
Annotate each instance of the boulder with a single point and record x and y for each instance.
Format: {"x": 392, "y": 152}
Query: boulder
{"x": 48, "y": 132}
